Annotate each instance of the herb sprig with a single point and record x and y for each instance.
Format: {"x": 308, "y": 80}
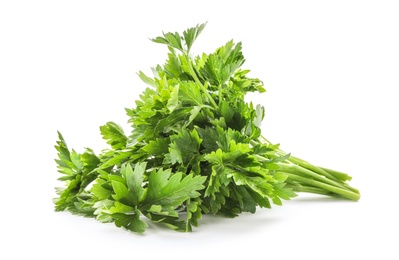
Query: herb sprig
{"x": 195, "y": 148}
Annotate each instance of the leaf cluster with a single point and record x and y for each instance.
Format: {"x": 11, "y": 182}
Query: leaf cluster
{"x": 194, "y": 147}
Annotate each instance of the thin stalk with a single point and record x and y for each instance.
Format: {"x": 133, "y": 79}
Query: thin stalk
{"x": 303, "y": 163}
{"x": 345, "y": 193}
{"x": 342, "y": 176}
{"x": 294, "y": 169}
{"x": 331, "y": 174}
{"x": 309, "y": 166}
{"x": 306, "y": 171}
{"x": 309, "y": 189}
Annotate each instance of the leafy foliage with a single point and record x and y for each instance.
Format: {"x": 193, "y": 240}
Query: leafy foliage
{"x": 195, "y": 148}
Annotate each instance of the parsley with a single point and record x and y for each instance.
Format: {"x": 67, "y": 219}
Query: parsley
{"x": 195, "y": 148}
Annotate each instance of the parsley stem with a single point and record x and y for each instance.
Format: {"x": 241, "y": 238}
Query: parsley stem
{"x": 296, "y": 169}
{"x": 331, "y": 174}
{"x": 310, "y": 189}
{"x": 345, "y": 193}
{"x": 340, "y": 177}
{"x": 307, "y": 165}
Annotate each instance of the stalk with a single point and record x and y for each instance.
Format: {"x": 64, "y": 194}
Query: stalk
{"x": 339, "y": 191}
{"x": 305, "y": 177}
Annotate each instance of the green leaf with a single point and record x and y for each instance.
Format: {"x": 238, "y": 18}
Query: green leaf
{"x": 171, "y": 222}
{"x": 218, "y": 180}
{"x": 70, "y": 164}
{"x": 130, "y": 222}
{"x": 174, "y": 40}
{"x": 159, "y": 146}
{"x": 223, "y": 63}
{"x": 174, "y": 118}
{"x": 115, "y": 176}
{"x": 260, "y": 114}
{"x": 134, "y": 180}
{"x": 173, "y": 67}
{"x": 99, "y": 191}
{"x": 193, "y": 115}
{"x": 75, "y": 159}
{"x": 258, "y": 184}
{"x": 90, "y": 160}
{"x": 171, "y": 190}
{"x": 146, "y": 79}
{"x": 185, "y": 65}
{"x": 101, "y": 210}
{"x": 191, "y": 34}
{"x": 194, "y": 212}
{"x": 190, "y": 94}
{"x": 115, "y": 158}
{"x": 164, "y": 210}
{"x": 114, "y": 135}
{"x": 121, "y": 191}
{"x": 262, "y": 201}
{"x": 173, "y": 101}
{"x": 69, "y": 195}
{"x": 244, "y": 199}
{"x": 184, "y": 146}
{"x": 65, "y": 164}
{"x": 213, "y": 70}
{"x": 119, "y": 207}
{"x": 171, "y": 39}
{"x": 226, "y": 111}
{"x": 210, "y": 139}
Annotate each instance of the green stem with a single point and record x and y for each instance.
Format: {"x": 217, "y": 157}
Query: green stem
{"x": 309, "y": 189}
{"x": 340, "y": 175}
{"x": 293, "y": 169}
{"x": 304, "y": 169}
{"x": 345, "y": 193}
{"x": 296, "y": 169}
{"x": 324, "y": 171}
{"x": 309, "y": 166}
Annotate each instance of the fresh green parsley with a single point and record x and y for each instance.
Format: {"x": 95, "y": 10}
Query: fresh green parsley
{"x": 195, "y": 148}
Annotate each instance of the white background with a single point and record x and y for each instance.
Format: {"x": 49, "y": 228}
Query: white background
{"x": 331, "y": 70}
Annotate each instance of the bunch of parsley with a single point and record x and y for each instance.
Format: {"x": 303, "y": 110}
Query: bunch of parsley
{"x": 195, "y": 148}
